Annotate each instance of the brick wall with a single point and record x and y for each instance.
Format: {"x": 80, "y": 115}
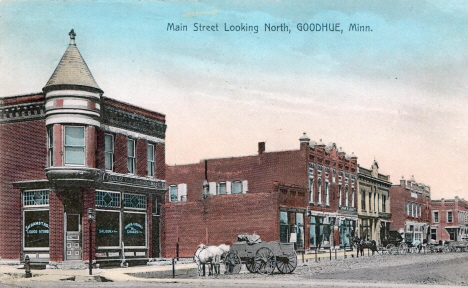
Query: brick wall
{"x": 120, "y": 154}
{"x": 260, "y": 171}
{"x": 399, "y": 196}
{"x": 88, "y": 202}
{"x": 160, "y": 161}
{"x": 141, "y": 158}
{"x": 217, "y": 220}
{"x": 56, "y": 240}
{"x": 22, "y": 157}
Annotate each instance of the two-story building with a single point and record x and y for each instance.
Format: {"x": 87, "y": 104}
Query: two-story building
{"x": 373, "y": 203}
{"x": 81, "y": 174}
{"x": 449, "y": 219}
{"x": 411, "y": 209}
{"x": 306, "y": 196}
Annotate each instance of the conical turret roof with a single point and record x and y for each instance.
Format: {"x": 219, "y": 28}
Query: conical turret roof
{"x": 72, "y": 69}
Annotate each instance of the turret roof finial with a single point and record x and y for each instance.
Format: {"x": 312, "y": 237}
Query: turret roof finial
{"x": 72, "y": 36}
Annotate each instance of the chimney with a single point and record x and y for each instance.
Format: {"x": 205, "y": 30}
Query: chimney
{"x": 402, "y": 182}
{"x": 261, "y": 148}
{"x": 304, "y": 141}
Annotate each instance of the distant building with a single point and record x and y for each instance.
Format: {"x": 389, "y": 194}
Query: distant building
{"x": 373, "y": 203}
{"x": 305, "y": 196}
{"x": 70, "y": 149}
{"x": 449, "y": 219}
{"x": 411, "y": 209}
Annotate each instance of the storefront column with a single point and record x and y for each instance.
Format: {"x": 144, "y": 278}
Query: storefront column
{"x": 88, "y": 202}
{"x": 149, "y": 212}
{"x": 56, "y": 233}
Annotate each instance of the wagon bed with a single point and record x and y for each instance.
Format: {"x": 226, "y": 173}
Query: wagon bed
{"x": 262, "y": 257}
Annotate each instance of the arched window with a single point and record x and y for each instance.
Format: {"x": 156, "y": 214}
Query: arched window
{"x": 319, "y": 190}
{"x": 311, "y": 190}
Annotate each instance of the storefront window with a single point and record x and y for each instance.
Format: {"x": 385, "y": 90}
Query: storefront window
{"x": 300, "y": 230}
{"x": 134, "y": 229}
{"x": 284, "y": 227}
{"x": 36, "y": 229}
{"x": 107, "y": 228}
{"x": 346, "y": 232}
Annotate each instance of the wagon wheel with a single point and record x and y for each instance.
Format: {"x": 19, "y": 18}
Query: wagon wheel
{"x": 390, "y": 249}
{"x": 403, "y": 248}
{"x": 265, "y": 261}
{"x": 287, "y": 264}
{"x": 250, "y": 265}
{"x": 232, "y": 263}
{"x": 446, "y": 249}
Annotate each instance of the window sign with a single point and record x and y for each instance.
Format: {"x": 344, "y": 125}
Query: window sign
{"x": 36, "y": 228}
{"x": 134, "y": 233}
{"x": 74, "y": 145}
{"x": 107, "y": 228}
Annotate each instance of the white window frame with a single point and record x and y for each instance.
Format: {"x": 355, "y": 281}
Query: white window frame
{"x": 438, "y": 216}
{"x": 319, "y": 190}
{"x": 447, "y": 214}
{"x": 131, "y": 158}
{"x": 146, "y": 230}
{"x": 50, "y": 146}
{"x": 64, "y": 131}
{"x": 218, "y": 188}
{"x": 110, "y": 153}
{"x": 232, "y": 186}
{"x": 177, "y": 193}
{"x": 352, "y": 197}
{"x": 32, "y": 209}
{"x": 311, "y": 190}
{"x": 120, "y": 229}
{"x": 327, "y": 193}
{"x": 151, "y": 163}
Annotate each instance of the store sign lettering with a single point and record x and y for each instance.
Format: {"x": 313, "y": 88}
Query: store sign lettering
{"x": 38, "y": 228}
{"x": 134, "y": 228}
{"x": 107, "y": 231}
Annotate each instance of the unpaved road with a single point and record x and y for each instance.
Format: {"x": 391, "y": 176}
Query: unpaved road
{"x": 411, "y": 270}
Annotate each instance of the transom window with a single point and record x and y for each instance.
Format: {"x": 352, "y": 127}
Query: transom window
{"x": 109, "y": 152}
{"x": 135, "y": 201}
{"x": 37, "y": 197}
{"x": 150, "y": 160}
{"x": 108, "y": 199}
{"x": 131, "y": 155}
{"x": 74, "y": 145}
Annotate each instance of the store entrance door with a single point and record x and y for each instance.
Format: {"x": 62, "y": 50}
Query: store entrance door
{"x": 73, "y": 237}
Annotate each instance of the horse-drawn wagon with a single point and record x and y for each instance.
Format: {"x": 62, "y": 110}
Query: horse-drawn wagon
{"x": 263, "y": 257}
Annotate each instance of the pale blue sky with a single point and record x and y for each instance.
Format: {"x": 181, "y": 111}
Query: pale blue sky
{"x": 397, "y": 93}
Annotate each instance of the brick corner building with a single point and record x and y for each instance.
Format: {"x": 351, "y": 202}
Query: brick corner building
{"x": 69, "y": 149}
{"x": 449, "y": 219}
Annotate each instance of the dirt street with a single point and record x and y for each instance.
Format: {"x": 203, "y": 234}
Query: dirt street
{"x": 411, "y": 270}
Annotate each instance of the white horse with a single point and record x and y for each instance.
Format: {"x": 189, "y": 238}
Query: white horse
{"x": 209, "y": 255}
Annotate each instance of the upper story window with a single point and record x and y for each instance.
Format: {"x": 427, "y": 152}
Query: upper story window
{"x": 236, "y": 187}
{"x": 150, "y": 160}
{"x": 384, "y": 203}
{"x": 363, "y": 200}
{"x": 311, "y": 190}
{"x": 131, "y": 156}
{"x": 178, "y": 193}
{"x": 50, "y": 146}
{"x": 221, "y": 188}
{"x": 74, "y": 145}
{"x": 173, "y": 193}
{"x": 109, "y": 152}
{"x": 352, "y": 197}
{"x": 449, "y": 216}
{"x": 435, "y": 216}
